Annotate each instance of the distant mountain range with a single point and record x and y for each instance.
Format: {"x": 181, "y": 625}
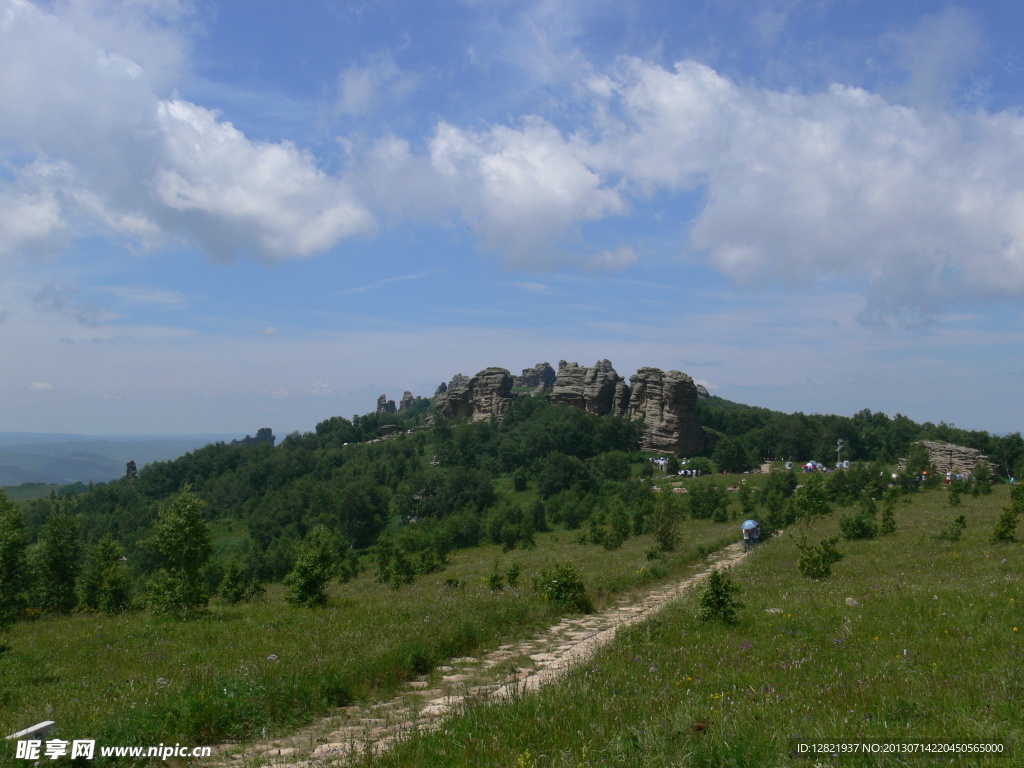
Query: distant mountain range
{"x": 27, "y": 457}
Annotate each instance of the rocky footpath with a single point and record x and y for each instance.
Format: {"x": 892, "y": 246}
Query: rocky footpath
{"x": 349, "y": 735}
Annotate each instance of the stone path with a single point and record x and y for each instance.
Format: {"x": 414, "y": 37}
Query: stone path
{"x": 496, "y": 676}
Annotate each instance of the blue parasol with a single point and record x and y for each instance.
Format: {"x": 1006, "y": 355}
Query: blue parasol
{"x": 749, "y": 524}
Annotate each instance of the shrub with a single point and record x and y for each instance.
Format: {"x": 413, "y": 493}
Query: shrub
{"x": 104, "y": 582}
{"x": 816, "y": 562}
{"x": 666, "y": 519}
{"x": 812, "y": 500}
{"x": 314, "y": 567}
{"x": 182, "y": 539}
{"x": 888, "y": 525}
{"x": 717, "y": 599}
{"x": 239, "y": 585}
{"x": 954, "y": 531}
{"x": 562, "y": 584}
{"x": 512, "y": 575}
{"x": 858, "y": 526}
{"x": 1006, "y": 527}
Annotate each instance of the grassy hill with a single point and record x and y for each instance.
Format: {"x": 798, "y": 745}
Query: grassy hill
{"x": 435, "y": 517}
{"x": 928, "y": 649}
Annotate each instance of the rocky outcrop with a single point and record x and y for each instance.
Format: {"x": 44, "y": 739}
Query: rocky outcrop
{"x": 958, "y": 459}
{"x": 386, "y": 406}
{"x": 442, "y": 388}
{"x": 541, "y": 376}
{"x": 487, "y": 395}
{"x": 263, "y": 435}
{"x": 702, "y": 391}
{"x": 667, "y": 402}
{"x": 406, "y": 401}
{"x": 598, "y": 390}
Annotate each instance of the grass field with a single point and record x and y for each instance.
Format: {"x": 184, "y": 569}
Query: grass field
{"x": 931, "y": 650}
{"x": 141, "y": 679}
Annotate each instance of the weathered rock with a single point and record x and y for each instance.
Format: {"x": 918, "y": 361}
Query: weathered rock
{"x": 385, "y": 406}
{"x": 958, "y": 459}
{"x": 541, "y": 376}
{"x": 442, "y": 388}
{"x": 406, "y": 401}
{"x": 597, "y": 390}
{"x": 486, "y": 395}
{"x": 263, "y": 435}
{"x": 667, "y": 402}
{"x": 491, "y": 393}
{"x": 702, "y": 391}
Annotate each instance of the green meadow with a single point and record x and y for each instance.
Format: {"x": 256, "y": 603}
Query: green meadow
{"x": 931, "y": 650}
{"x": 139, "y": 678}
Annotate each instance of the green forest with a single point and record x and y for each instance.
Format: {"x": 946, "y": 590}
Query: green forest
{"x": 226, "y": 519}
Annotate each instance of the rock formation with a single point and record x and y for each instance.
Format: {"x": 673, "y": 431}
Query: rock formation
{"x": 667, "y": 402}
{"x": 486, "y": 395}
{"x": 406, "y": 401}
{"x": 597, "y": 390}
{"x": 541, "y": 376}
{"x": 263, "y": 435}
{"x": 385, "y": 406}
{"x": 442, "y": 388}
{"x": 702, "y": 391}
{"x": 958, "y": 459}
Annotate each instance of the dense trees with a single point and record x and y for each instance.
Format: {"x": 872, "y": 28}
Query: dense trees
{"x": 867, "y": 436}
{"x": 276, "y": 508}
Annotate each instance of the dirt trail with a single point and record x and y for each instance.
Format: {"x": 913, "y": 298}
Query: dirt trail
{"x": 510, "y": 670}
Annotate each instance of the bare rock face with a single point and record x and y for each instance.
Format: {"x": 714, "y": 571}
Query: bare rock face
{"x": 406, "y": 401}
{"x": 486, "y": 395}
{"x": 667, "y": 402}
{"x": 597, "y": 390}
{"x": 702, "y": 391}
{"x": 957, "y": 459}
{"x": 541, "y": 376}
{"x": 385, "y": 406}
{"x": 442, "y": 389}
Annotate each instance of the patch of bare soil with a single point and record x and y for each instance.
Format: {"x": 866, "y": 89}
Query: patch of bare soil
{"x": 495, "y": 676}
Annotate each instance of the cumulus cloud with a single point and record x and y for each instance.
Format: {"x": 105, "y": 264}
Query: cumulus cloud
{"x": 923, "y": 207}
{"x": 107, "y": 150}
{"x": 521, "y": 188}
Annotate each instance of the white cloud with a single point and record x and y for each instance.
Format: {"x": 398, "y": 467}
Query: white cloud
{"x": 41, "y": 386}
{"x": 521, "y": 188}
{"x": 924, "y": 208}
{"x": 107, "y": 151}
{"x": 267, "y": 331}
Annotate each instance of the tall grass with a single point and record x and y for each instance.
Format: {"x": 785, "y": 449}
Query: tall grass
{"x": 138, "y": 679}
{"x": 930, "y": 650}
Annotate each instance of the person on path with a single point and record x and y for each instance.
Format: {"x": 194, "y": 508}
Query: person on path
{"x": 746, "y": 539}
{"x": 756, "y": 535}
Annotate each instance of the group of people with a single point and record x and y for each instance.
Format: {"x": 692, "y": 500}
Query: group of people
{"x": 662, "y": 463}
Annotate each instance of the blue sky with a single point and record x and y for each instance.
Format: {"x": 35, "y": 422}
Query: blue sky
{"x": 221, "y": 216}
